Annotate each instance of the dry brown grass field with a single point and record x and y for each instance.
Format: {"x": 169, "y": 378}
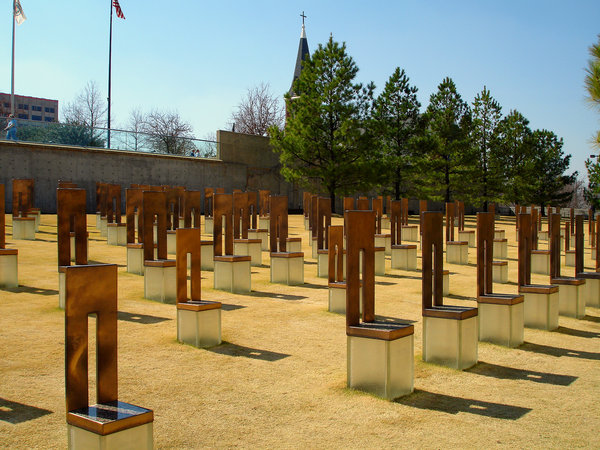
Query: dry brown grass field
{"x": 279, "y": 378}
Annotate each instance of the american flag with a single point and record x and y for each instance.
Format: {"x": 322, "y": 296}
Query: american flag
{"x": 118, "y": 9}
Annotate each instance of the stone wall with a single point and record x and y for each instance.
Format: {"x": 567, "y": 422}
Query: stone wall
{"x": 244, "y": 162}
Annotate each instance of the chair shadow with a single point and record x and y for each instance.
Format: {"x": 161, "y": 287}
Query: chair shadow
{"x": 140, "y": 318}
{"x": 510, "y": 373}
{"x": 558, "y": 352}
{"x": 578, "y": 333}
{"x": 229, "y": 307}
{"x": 461, "y": 297}
{"x": 310, "y": 263}
{"x": 15, "y": 412}
{"x": 230, "y": 349}
{"x": 276, "y": 295}
{"x": 313, "y": 286}
{"x": 454, "y": 405}
{"x": 405, "y": 277}
{"x": 388, "y": 319}
{"x": 91, "y": 261}
{"x": 589, "y": 318}
{"x": 31, "y": 290}
{"x": 385, "y": 283}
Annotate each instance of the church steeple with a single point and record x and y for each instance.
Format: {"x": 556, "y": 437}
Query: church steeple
{"x": 303, "y": 53}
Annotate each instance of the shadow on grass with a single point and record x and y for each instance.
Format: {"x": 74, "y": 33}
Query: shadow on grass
{"x": 385, "y": 283}
{"x": 509, "y": 373}
{"x": 276, "y": 295}
{"x": 578, "y": 333}
{"x": 461, "y": 297}
{"x": 229, "y": 349}
{"x": 14, "y": 412}
{"x": 228, "y": 307}
{"x": 405, "y": 277}
{"x": 140, "y": 318}
{"x": 558, "y": 352}
{"x": 90, "y": 261}
{"x": 313, "y": 286}
{"x": 387, "y": 319}
{"x": 589, "y": 318}
{"x": 31, "y": 290}
{"x": 454, "y": 405}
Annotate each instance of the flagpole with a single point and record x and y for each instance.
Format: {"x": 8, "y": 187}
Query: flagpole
{"x": 109, "y": 70}
{"x": 12, "y": 70}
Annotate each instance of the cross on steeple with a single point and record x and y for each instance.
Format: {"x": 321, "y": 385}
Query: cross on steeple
{"x": 303, "y": 17}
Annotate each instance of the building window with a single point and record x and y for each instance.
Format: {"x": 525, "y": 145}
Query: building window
{"x": 23, "y": 116}
{"x": 36, "y": 108}
{"x": 20, "y": 106}
{"x": 48, "y": 119}
{"x": 33, "y": 117}
{"x": 26, "y": 107}
{"x": 6, "y": 105}
{"x": 49, "y": 110}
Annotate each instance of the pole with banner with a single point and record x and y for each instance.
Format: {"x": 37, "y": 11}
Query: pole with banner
{"x": 120, "y": 15}
{"x": 18, "y": 18}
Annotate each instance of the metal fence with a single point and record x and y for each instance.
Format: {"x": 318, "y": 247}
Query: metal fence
{"x": 88, "y": 137}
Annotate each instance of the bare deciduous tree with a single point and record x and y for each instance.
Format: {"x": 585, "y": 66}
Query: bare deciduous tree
{"x": 88, "y": 108}
{"x": 136, "y": 125}
{"x": 168, "y": 133}
{"x": 258, "y": 111}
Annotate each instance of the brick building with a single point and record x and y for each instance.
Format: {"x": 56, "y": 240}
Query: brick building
{"x": 31, "y": 109}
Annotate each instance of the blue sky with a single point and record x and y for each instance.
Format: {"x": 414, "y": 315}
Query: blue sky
{"x": 199, "y": 58}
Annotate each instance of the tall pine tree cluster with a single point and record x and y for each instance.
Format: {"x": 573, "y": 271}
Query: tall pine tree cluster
{"x": 342, "y": 139}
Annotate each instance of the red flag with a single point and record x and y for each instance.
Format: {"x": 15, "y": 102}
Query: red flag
{"x": 118, "y": 9}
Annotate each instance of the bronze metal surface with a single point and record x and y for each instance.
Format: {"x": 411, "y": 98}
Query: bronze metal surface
{"x": 241, "y": 215}
{"x": 109, "y": 417}
{"x": 567, "y": 236}
{"x": 90, "y": 289}
{"x": 70, "y": 206}
{"x": 154, "y": 205}
{"x": 323, "y": 221}
{"x": 525, "y": 248}
{"x": 188, "y": 241}
{"x": 208, "y": 202}
{"x": 22, "y": 198}
{"x": 450, "y": 221}
{"x": 534, "y": 228}
{"x": 278, "y": 224}
{"x": 554, "y": 226}
{"x": 306, "y": 203}
{"x": 133, "y": 206}
{"x": 223, "y": 212}
{"x": 432, "y": 251}
{"x": 404, "y": 217}
{"x": 377, "y": 206}
{"x": 538, "y": 289}
{"x": 579, "y": 266}
{"x": 451, "y": 312}
{"x": 360, "y": 238}
{"x": 336, "y": 254}
{"x": 174, "y": 205}
{"x": 460, "y": 214}
{"x": 313, "y": 215}
{"x": 395, "y": 216}
{"x": 422, "y": 209}
{"x": 67, "y": 184}
{"x": 253, "y": 209}
{"x": 192, "y": 209}
{"x": 349, "y": 203}
{"x": 572, "y": 216}
{"x": 113, "y": 203}
{"x": 362, "y": 204}
{"x": 264, "y": 208}
{"x": 485, "y": 253}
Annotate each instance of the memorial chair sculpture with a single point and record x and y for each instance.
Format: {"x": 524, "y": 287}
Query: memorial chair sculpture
{"x": 449, "y": 332}
{"x": 111, "y": 423}
{"x": 25, "y": 221}
{"x": 287, "y": 266}
{"x": 192, "y": 214}
{"x": 242, "y": 244}
{"x": 337, "y": 270}
{"x": 198, "y": 321}
{"x": 381, "y": 239}
{"x": 71, "y": 232}
{"x": 362, "y": 204}
{"x": 135, "y": 220}
{"x": 322, "y": 224}
{"x": 8, "y": 256}
{"x": 463, "y": 234}
{"x": 116, "y": 232}
{"x": 380, "y": 356}
{"x": 254, "y": 232}
{"x": 209, "y": 206}
{"x": 404, "y": 257}
{"x": 263, "y": 209}
{"x": 159, "y": 272}
{"x": 500, "y": 315}
{"x": 410, "y": 233}
{"x": 592, "y": 279}
{"x": 232, "y": 272}
{"x": 571, "y": 293}
{"x": 457, "y": 252}
{"x": 175, "y": 199}
{"x": 540, "y": 302}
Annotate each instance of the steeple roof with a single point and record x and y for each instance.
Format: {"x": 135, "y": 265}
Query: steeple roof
{"x": 303, "y": 53}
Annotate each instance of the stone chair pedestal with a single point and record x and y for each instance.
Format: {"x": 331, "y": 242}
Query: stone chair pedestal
{"x": 592, "y": 288}
{"x": 263, "y": 235}
{"x": 293, "y": 245}
{"x": 37, "y": 215}
{"x": 103, "y": 226}
{"x": 540, "y": 262}
{"x": 446, "y": 282}
{"x": 135, "y": 258}
{"x": 450, "y": 336}
{"x": 404, "y": 257}
{"x": 287, "y": 268}
{"x": 337, "y": 298}
{"x": 410, "y": 233}
{"x": 206, "y": 255}
{"x": 380, "y": 359}
{"x": 571, "y": 296}
{"x": 457, "y": 252}
{"x": 501, "y": 319}
{"x": 499, "y": 234}
{"x": 199, "y": 323}
{"x": 208, "y": 225}
{"x": 9, "y": 267}
{"x": 24, "y": 228}
{"x": 251, "y": 248}
{"x": 385, "y": 241}
{"x": 500, "y": 271}
{"x": 171, "y": 242}
{"x": 232, "y": 273}
{"x": 264, "y": 222}
{"x": 98, "y": 221}
{"x": 570, "y": 258}
{"x": 116, "y": 234}
{"x": 543, "y": 235}
{"x": 469, "y": 236}
{"x": 160, "y": 282}
{"x": 385, "y": 223}
{"x": 500, "y": 249}
{"x": 314, "y": 248}
{"x": 87, "y": 243}
{"x": 112, "y": 425}
{"x": 540, "y": 306}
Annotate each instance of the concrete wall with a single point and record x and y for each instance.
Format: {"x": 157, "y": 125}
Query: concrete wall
{"x": 245, "y": 162}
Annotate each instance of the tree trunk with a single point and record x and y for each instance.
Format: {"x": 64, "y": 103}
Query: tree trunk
{"x": 332, "y": 197}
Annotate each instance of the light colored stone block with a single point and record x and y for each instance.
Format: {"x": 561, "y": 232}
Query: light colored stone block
{"x": 135, "y": 259}
{"x": 322, "y": 263}
{"x": 571, "y": 300}
{"x": 200, "y": 329}
{"x": 385, "y": 223}
{"x": 379, "y": 261}
{"x": 410, "y": 233}
{"x": 264, "y": 222}
{"x": 570, "y": 258}
{"x": 540, "y": 262}
{"x": 314, "y": 248}
{"x": 457, "y": 252}
{"x": 171, "y": 242}
{"x": 98, "y": 221}
{"x": 62, "y": 289}
{"x": 500, "y": 271}
{"x": 207, "y": 251}
{"x": 592, "y": 292}
{"x": 294, "y": 245}
{"x": 263, "y": 235}
{"x": 24, "y": 228}
{"x": 232, "y": 276}
{"x": 540, "y": 310}
{"x": 499, "y": 234}
{"x": 500, "y": 248}
{"x": 469, "y": 236}
{"x": 446, "y": 283}
{"x": 501, "y": 324}
{"x": 287, "y": 269}
{"x": 116, "y": 234}
{"x": 450, "y": 342}
{"x": 404, "y": 257}
{"x": 381, "y": 367}
{"x": 385, "y": 241}
{"x": 249, "y": 247}
{"x": 135, "y": 438}
{"x": 337, "y": 298}
{"x": 72, "y": 248}
{"x": 9, "y": 268}
{"x": 103, "y": 226}
{"x": 543, "y": 235}
{"x": 306, "y": 223}
{"x": 160, "y": 283}
{"x": 37, "y": 215}
{"x": 208, "y": 225}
